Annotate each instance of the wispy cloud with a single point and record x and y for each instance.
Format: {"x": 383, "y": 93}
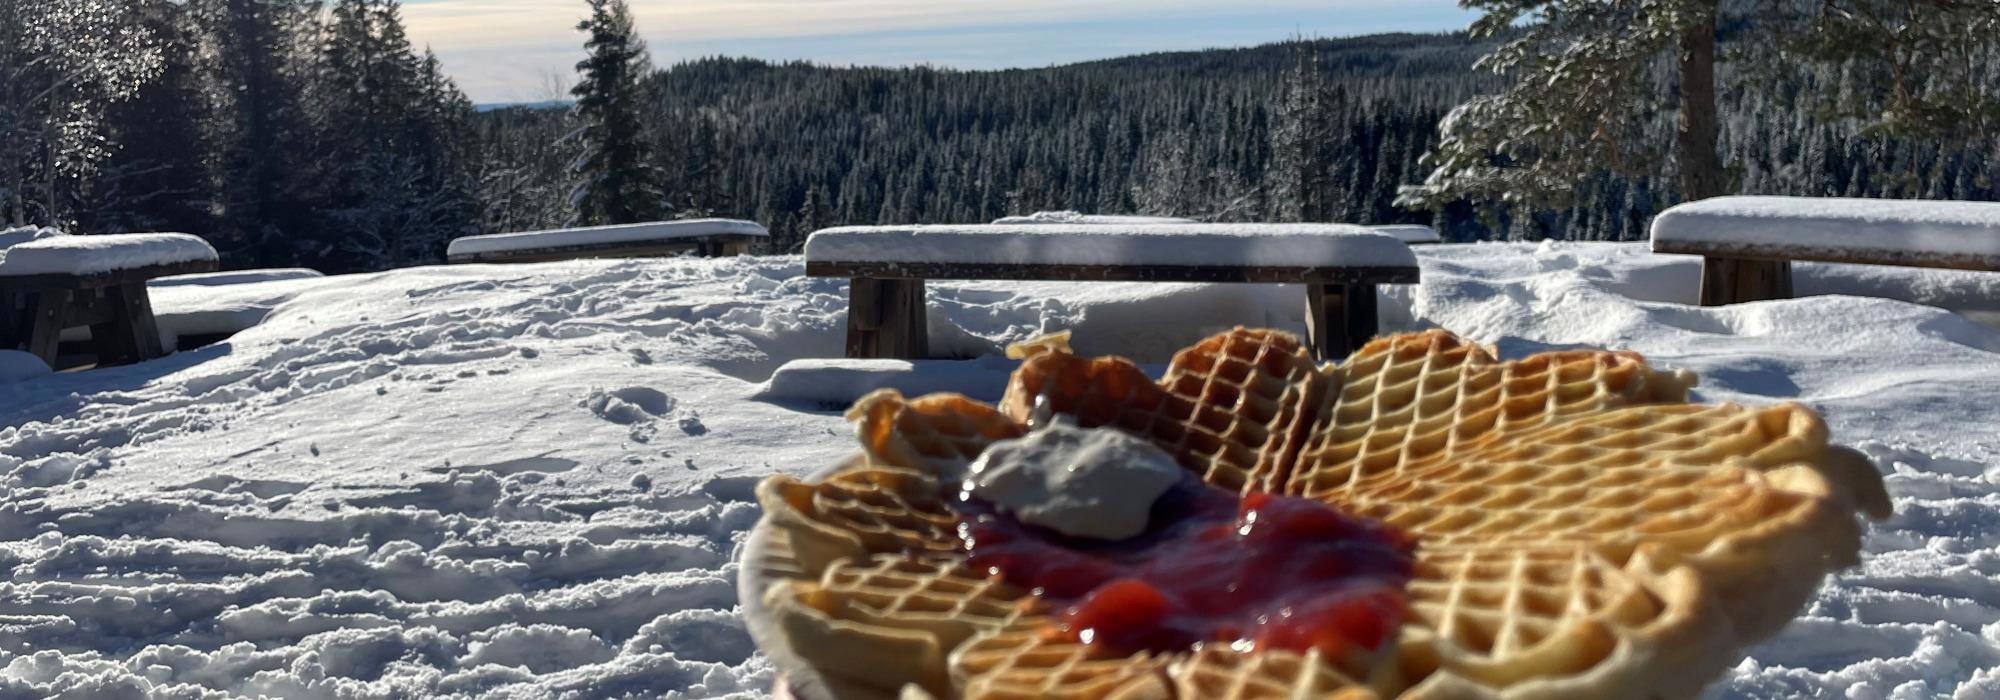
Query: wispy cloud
{"x": 502, "y": 49}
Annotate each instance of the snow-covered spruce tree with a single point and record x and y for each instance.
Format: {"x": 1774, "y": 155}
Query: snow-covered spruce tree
{"x": 617, "y": 182}
{"x": 257, "y": 62}
{"x": 1301, "y": 150}
{"x": 63, "y": 63}
{"x": 1584, "y": 86}
{"x": 156, "y": 178}
{"x": 395, "y": 129}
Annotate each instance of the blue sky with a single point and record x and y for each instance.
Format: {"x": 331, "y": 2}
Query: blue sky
{"x": 523, "y": 50}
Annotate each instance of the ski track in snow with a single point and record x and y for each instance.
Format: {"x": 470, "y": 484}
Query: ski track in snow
{"x": 529, "y": 481}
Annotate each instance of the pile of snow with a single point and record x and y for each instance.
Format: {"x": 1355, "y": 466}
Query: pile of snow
{"x": 1281, "y": 245}
{"x": 530, "y": 481}
{"x": 1070, "y": 217}
{"x": 89, "y": 255}
{"x": 836, "y": 383}
{"x": 232, "y": 277}
{"x": 17, "y": 366}
{"x": 656, "y": 232}
{"x": 14, "y": 236}
{"x": 1818, "y": 227}
{"x": 1412, "y": 234}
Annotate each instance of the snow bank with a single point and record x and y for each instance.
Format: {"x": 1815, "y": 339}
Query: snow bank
{"x": 1070, "y": 217}
{"x": 17, "y": 366}
{"x": 836, "y": 383}
{"x": 1409, "y": 233}
{"x": 531, "y": 481}
{"x": 220, "y": 279}
{"x": 603, "y": 235}
{"x": 88, "y": 255}
{"x": 1823, "y": 227}
{"x": 15, "y": 236}
{"x": 1288, "y": 245}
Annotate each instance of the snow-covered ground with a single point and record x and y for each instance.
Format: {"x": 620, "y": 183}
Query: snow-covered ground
{"x": 528, "y": 481}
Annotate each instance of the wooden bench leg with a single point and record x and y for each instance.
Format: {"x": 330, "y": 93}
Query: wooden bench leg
{"x": 43, "y": 324}
{"x": 1732, "y": 281}
{"x": 887, "y": 319}
{"x": 129, "y": 332}
{"x": 1340, "y": 318}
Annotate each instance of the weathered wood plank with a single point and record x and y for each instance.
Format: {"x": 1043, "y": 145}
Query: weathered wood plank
{"x": 1786, "y": 253}
{"x": 1114, "y": 273}
{"x": 1731, "y": 281}
{"x": 1340, "y": 318}
{"x": 887, "y": 319}
{"x": 45, "y": 323}
{"x": 131, "y": 334}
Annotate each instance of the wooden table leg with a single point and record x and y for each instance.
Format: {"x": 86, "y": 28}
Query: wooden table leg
{"x": 45, "y": 322}
{"x": 1731, "y": 281}
{"x": 887, "y": 319}
{"x": 1340, "y": 318}
{"x": 129, "y": 333}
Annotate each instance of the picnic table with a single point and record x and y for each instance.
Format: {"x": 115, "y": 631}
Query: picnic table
{"x": 1339, "y": 265}
{"x": 1747, "y": 244}
{"x": 51, "y": 284}
{"x": 703, "y": 237}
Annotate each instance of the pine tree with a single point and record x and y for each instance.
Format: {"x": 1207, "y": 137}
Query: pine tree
{"x": 813, "y": 216}
{"x": 1584, "y": 94}
{"x": 617, "y": 183}
{"x": 256, "y": 69}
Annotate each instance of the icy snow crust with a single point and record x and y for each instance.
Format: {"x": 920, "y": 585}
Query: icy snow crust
{"x": 89, "y": 255}
{"x": 1832, "y": 226}
{"x": 1275, "y": 245}
{"x": 603, "y": 235}
{"x": 529, "y": 481}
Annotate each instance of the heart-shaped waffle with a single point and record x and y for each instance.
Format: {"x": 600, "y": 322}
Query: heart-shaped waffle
{"x": 1582, "y": 530}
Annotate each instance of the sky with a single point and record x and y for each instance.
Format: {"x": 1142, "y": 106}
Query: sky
{"x": 526, "y": 50}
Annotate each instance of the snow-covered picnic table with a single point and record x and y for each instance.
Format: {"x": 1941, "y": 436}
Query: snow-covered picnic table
{"x": 1748, "y": 243}
{"x": 1339, "y": 264}
{"x": 705, "y": 237}
{"x": 49, "y": 282}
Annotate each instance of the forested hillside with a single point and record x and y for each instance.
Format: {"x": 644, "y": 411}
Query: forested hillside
{"x": 1325, "y": 130}
{"x": 291, "y": 132}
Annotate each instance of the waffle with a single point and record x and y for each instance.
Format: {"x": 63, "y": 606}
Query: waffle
{"x": 1583, "y": 531}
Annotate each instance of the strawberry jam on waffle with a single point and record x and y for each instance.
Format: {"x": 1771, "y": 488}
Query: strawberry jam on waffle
{"x": 1259, "y": 571}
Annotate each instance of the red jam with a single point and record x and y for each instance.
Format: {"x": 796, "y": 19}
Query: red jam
{"x": 1262, "y": 570}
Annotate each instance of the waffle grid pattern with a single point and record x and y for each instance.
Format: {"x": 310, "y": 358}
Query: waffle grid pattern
{"x": 1583, "y": 531}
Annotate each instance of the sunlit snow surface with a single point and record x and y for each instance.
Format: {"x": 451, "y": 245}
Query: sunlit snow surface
{"x": 528, "y": 481}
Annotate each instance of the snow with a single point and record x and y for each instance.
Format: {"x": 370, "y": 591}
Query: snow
{"x": 530, "y": 481}
{"x": 1281, "y": 245}
{"x": 1070, "y": 217}
{"x": 14, "y": 236}
{"x": 17, "y": 366}
{"x": 603, "y": 235}
{"x": 88, "y": 255}
{"x": 1409, "y": 233}
{"x": 220, "y": 279}
{"x": 1819, "y": 227}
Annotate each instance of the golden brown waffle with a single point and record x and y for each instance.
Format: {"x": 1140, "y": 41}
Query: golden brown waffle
{"x": 1583, "y": 532}
{"x": 1232, "y": 408}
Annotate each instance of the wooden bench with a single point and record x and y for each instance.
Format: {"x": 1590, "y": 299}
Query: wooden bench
{"x": 1748, "y": 244}
{"x": 1340, "y": 267}
{"x": 106, "y": 293}
{"x": 703, "y": 237}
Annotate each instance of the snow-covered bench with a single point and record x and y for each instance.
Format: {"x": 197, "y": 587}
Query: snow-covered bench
{"x": 57, "y": 282}
{"x": 705, "y": 237}
{"x": 1339, "y": 265}
{"x": 1748, "y": 243}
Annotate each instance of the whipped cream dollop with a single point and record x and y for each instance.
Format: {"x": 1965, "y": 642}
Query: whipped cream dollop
{"x": 1098, "y": 483}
